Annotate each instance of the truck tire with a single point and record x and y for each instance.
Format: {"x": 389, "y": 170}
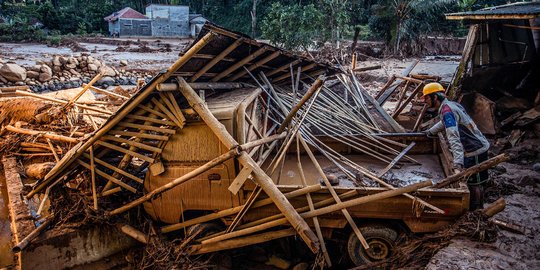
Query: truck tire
{"x": 381, "y": 240}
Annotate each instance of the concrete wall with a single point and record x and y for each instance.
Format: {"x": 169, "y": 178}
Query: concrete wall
{"x": 169, "y": 20}
{"x": 135, "y": 27}
{"x": 114, "y": 27}
{"x": 71, "y": 247}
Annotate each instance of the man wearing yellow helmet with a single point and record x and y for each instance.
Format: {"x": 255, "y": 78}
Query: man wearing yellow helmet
{"x": 467, "y": 144}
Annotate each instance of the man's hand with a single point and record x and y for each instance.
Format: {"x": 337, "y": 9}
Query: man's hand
{"x": 458, "y": 168}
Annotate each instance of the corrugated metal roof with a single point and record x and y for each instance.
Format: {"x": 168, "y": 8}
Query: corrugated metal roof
{"x": 125, "y": 13}
{"x": 520, "y": 10}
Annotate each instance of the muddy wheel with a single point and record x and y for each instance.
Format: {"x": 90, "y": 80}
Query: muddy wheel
{"x": 381, "y": 241}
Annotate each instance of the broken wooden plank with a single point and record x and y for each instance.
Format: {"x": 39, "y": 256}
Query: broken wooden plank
{"x": 216, "y": 59}
{"x": 139, "y": 135}
{"x": 492, "y": 162}
{"x": 147, "y": 127}
{"x": 133, "y": 143}
{"x": 238, "y": 64}
{"x": 108, "y": 177}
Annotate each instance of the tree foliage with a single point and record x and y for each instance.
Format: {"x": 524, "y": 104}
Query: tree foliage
{"x": 290, "y": 23}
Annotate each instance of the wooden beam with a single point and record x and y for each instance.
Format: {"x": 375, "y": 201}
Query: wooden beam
{"x": 113, "y": 168}
{"x": 491, "y": 16}
{"x": 152, "y": 111}
{"x": 105, "y": 92}
{"x": 216, "y": 59}
{"x": 282, "y": 68}
{"x": 166, "y": 87}
{"x": 85, "y": 88}
{"x": 453, "y": 89}
{"x": 147, "y": 127}
{"x": 169, "y": 114}
{"x": 108, "y": 177}
{"x": 288, "y": 74}
{"x": 314, "y": 88}
{"x": 89, "y": 108}
{"x": 125, "y": 151}
{"x": 133, "y": 143}
{"x": 150, "y": 119}
{"x": 139, "y": 135}
{"x": 240, "y": 63}
{"x": 254, "y": 66}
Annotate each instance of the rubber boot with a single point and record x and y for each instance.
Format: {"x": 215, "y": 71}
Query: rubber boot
{"x": 477, "y": 197}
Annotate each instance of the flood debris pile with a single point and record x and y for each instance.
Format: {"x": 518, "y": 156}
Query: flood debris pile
{"x": 236, "y": 144}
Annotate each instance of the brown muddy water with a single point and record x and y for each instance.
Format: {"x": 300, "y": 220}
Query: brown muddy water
{"x": 6, "y": 256}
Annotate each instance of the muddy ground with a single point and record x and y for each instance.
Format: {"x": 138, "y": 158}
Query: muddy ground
{"x": 519, "y": 184}
{"x": 516, "y": 181}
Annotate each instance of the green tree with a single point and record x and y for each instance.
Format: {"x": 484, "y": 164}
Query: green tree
{"x": 293, "y": 26}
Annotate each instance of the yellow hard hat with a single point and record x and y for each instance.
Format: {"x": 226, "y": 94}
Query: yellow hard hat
{"x": 431, "y": 88}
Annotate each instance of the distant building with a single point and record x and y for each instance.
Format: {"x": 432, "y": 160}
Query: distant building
{"x": 160, "y": 21}
{"x": 129, "y": 22}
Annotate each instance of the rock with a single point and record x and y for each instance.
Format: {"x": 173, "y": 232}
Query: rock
{"x": 70, "y": 66}
{"x": 107, "y": 71}
{"x": 56, "y": 61}
{"x": 45, "y": 69}
{"x": 32, "y": 74}
{"x": 13, "y": 72}
{"x": 3, "y": 80}
{"x": 44, "y": 77}
{"x": 536, "y": 167}
{"x": 63, "y": 59}
{"x": 74, "y": 72}
{"x": 62, "y": 79}
{"x": 33, "y": 68}
{"x": 57, "y": 69}
{"x": 106, "y": 80}
{"x": 123, "y": 63}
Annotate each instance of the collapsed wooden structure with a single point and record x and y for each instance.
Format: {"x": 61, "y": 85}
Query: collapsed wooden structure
{"x": 166, "y": 139}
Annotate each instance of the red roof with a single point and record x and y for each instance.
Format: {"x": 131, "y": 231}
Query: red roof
{"x": 125, "y": 13}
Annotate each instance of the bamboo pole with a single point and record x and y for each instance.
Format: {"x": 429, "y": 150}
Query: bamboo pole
{"x": 322, "y": 211}
{"x": 105, "y": 92}
{"x": 216, "y": 59}
{"x": 45, "y": 134}
{"x": 234, "y": 210}
{"x": 409, "y": 99}
{"x": 21, "y": 245}
{"x": 85, "y": 88}
{"x": 396, "y": 159}
{"x": 134, "y": 233}
{"x": 51, "y": 147}
{"x": 89, "y": 108}
{"x": 240, "y": 63}
{"x": 472, "y": 170}
{"x": 241, "y": 242}
{"x": 93, "y": 175}
{"x": 264, "y": 181}
{"x": 310, "y": 203}
{"x": 132, "y": 104}
{"x": 282, "y": 68}
{"x": 314, "y": 88}
{"x": 334, "y": 194}
{"x": 254, "y": 66}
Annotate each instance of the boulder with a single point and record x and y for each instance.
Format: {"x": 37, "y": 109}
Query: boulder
{"x": 3, "y": 80}
{"x": 56, "y": 61}
{"x": 123, "y": 63}
{"x": 34, "y": 68}
{"x": 32, "y": 74}
{"x": 13, "y": 72}
{"x": 63, "y": 59}
{"x": 70, "y": 66}
{"x": 74, "y": 72}
{"x": 44, "y": 77}
{"x": 106, "y": 80}
{"x": 107, "y": 71}
{"x": 92, "y": 67}
{"x": 45, "y": 69}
